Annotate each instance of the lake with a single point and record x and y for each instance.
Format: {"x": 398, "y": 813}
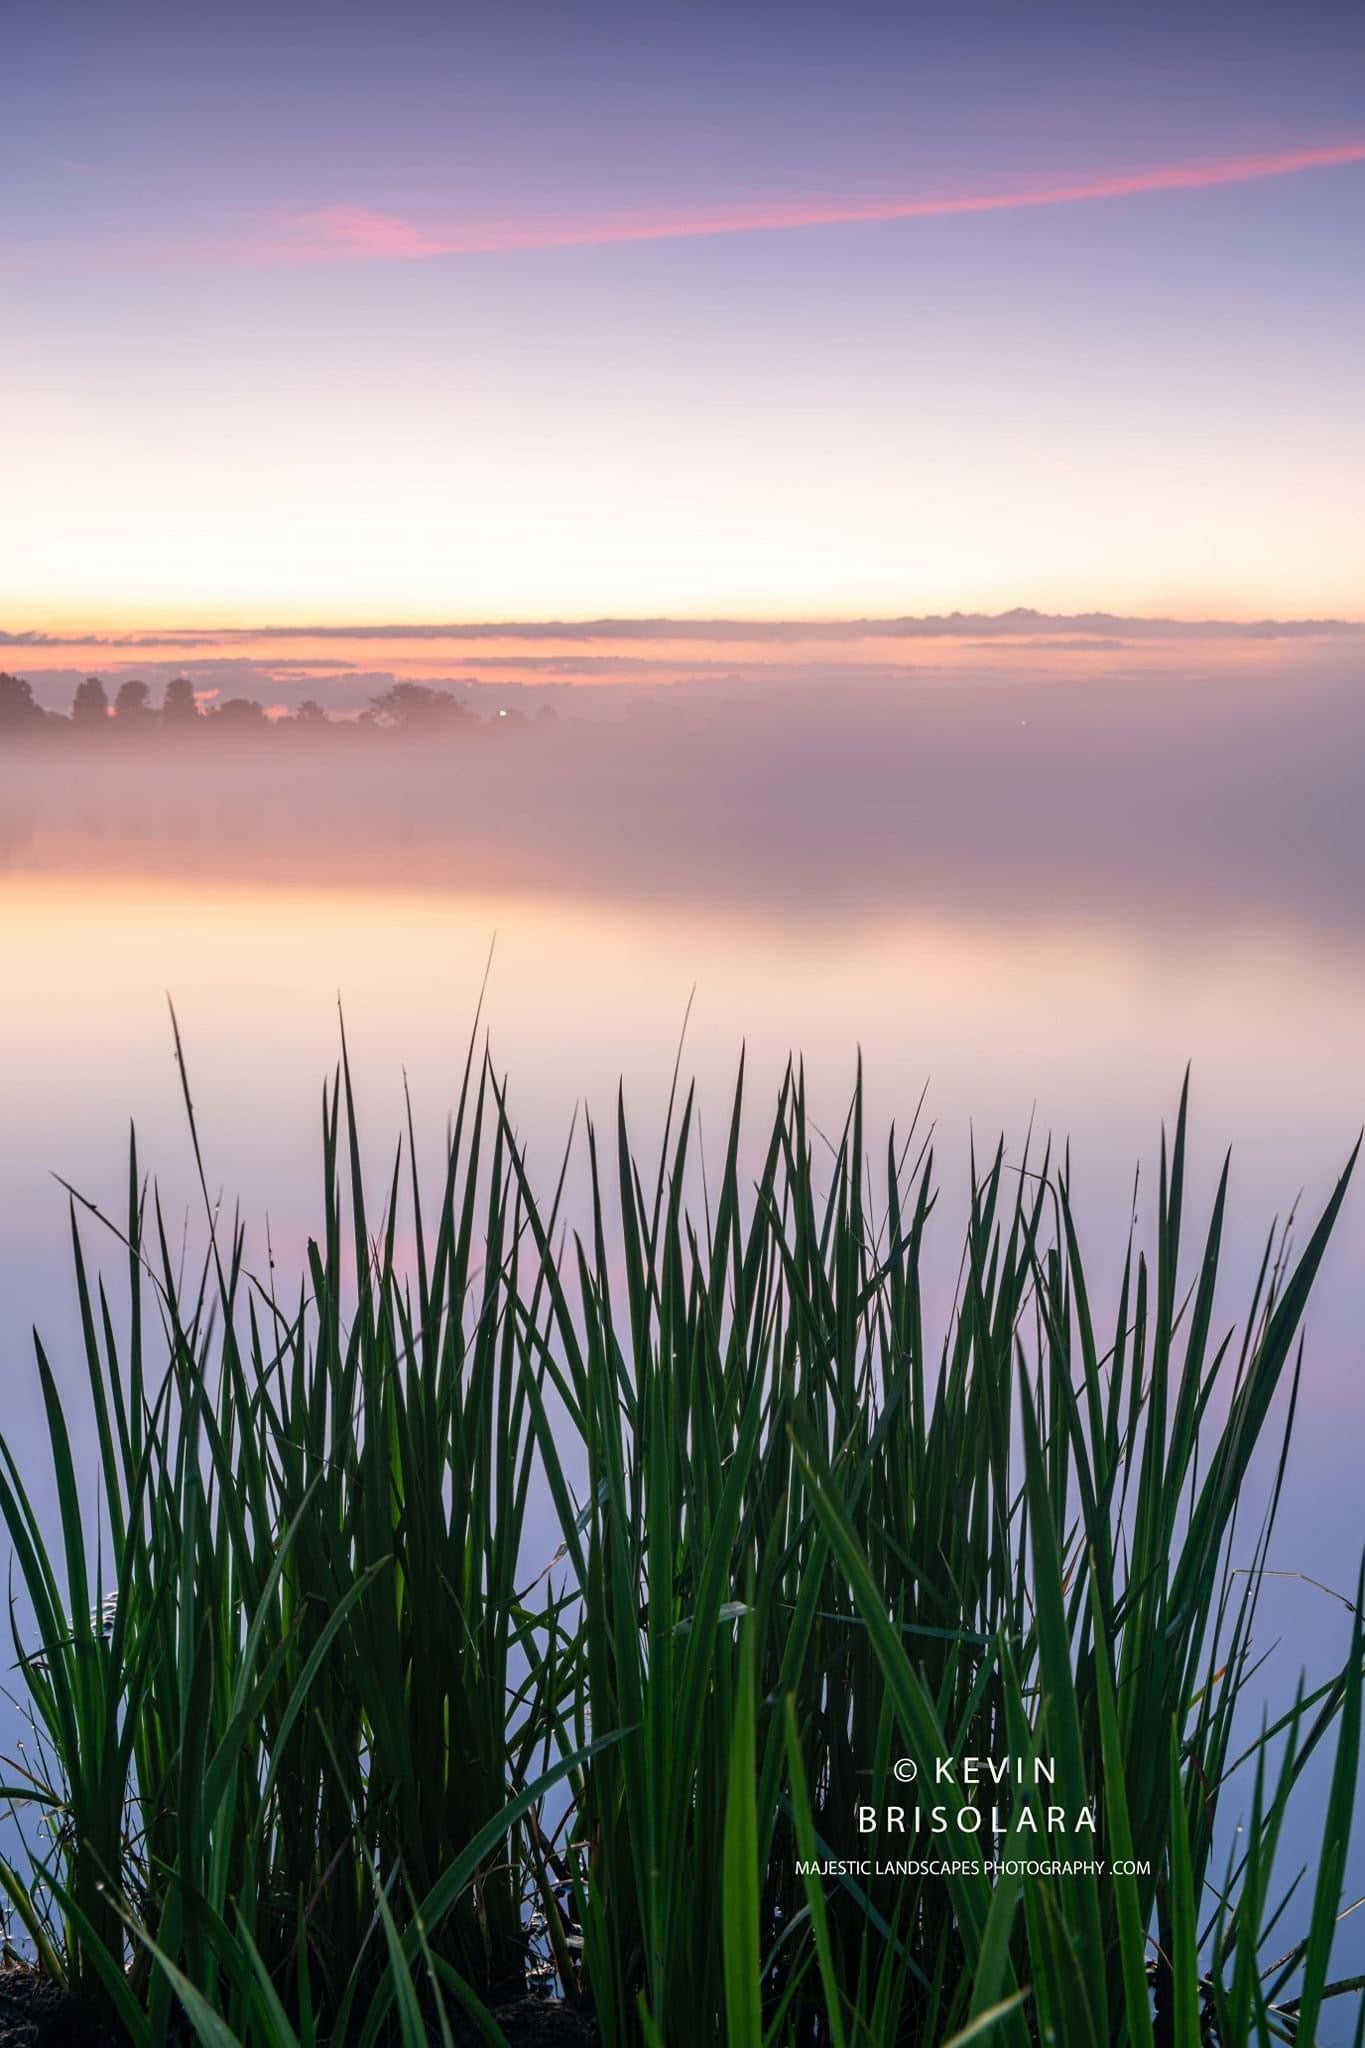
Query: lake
{"x": 1041, "y": 913}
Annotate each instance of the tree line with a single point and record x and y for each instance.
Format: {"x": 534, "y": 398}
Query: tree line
{"x": 410, "y": 707}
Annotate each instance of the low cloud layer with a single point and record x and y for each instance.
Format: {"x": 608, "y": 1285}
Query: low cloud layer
{"x": 614, "y": 668}
{"x": 1021, "y": 623}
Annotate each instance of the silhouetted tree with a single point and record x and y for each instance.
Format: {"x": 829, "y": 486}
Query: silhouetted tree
{"x": 90, "y": 705}
{"x": 17, "y": 708}
{"x": 130, "y": 703}
{"x": 239, "y": 712}
{"x": 310, "y": 713}
{"x": 414, "y": 706}
{"x": 179, "y": 705}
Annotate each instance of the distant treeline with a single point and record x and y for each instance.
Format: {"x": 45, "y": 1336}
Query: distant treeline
{"x": 403, "y": 707}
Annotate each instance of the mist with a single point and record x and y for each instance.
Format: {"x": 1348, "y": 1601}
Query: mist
{"x": 1183, "y": 800}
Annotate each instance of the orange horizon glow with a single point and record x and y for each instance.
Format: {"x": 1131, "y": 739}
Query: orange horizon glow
{"x": 1071, "y": 414}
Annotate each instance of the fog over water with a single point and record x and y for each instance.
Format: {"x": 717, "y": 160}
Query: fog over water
{"x": 1042, "y": 894}
{"x": 1186, "y": 798}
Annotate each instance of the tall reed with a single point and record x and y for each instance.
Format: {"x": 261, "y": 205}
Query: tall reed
{"x": 325, "y": 1752}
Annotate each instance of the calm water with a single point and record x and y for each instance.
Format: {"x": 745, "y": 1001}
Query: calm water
{"x": 1060, "y": 964}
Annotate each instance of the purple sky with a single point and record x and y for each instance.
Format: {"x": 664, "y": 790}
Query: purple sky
{"x": 320, "y": 312}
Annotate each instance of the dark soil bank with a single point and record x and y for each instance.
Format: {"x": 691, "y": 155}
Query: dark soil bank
{"x": 540, "y": 2023}
{"x": 35, "y": 2014}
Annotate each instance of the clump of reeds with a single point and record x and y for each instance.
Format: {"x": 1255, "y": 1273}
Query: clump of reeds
{"x": 325, "y": 1752}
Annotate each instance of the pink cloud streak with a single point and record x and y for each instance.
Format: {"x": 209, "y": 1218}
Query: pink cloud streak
{"x": 345, "y": 234}
{"x": 361, "y": 234}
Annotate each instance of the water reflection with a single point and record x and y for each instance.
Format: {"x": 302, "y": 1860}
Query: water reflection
{"x": 1045, "y": 905}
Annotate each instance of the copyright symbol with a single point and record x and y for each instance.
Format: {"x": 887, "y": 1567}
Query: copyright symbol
{"x": 904, "y": 1769}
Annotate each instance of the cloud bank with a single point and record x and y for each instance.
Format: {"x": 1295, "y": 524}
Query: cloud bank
{"x": 1022, "y": 624}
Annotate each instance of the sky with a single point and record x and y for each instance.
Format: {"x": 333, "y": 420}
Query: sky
{"x": 330, "y": 314}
